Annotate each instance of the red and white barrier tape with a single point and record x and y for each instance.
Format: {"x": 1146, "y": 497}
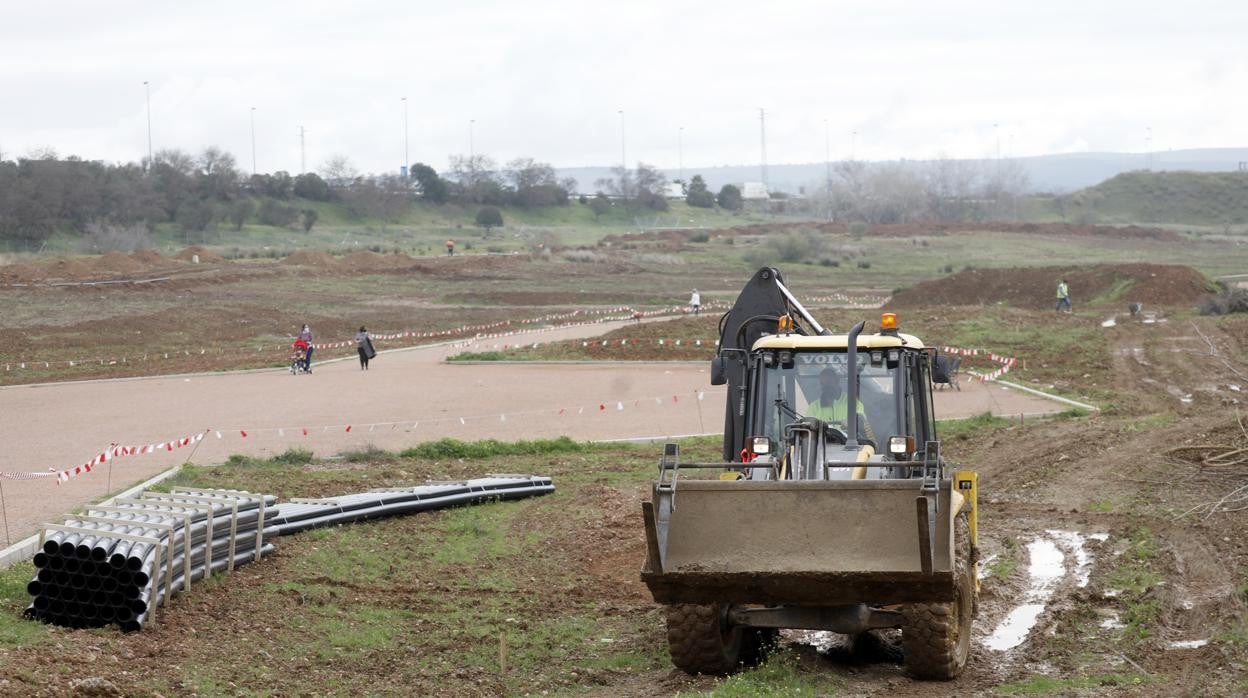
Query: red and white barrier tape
{"x": 1005, "y": 362}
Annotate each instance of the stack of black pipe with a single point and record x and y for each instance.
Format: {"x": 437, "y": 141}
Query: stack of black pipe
{"x": 302, "y": 515}
{"x": 88, "y": 579}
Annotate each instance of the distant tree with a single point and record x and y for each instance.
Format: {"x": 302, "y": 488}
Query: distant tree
{"x": 729, "y": 198}
{"x": 338, "y": 171}
{"x": 218, "y": 176}
{"x": 195, "y": 216}
{"x": 600, "y": 204}
{"x": 489, "y": 217}
{"x": 310, "y": 186}
{"x": 476, "y": 180}
{"x": 240, "y": 211}
{"x": 534, "y": 184}
{"x": 309, "y": 216}
{"x": 582, "y": 199}
{"x": 431, "y": 187}
{"x": 277, "y": 214}
{"x": 697, "y": 195}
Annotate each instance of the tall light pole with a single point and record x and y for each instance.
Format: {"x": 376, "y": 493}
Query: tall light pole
{"x": 1148, "y": 147}
{"x": 253, "y": 140}
{"x": 680, "y": 152}
{"x": 853, "y": 146}
{"x": 623, "y": 148}
{"x": 471, "y": 147}
{"x": 762, "y": 134}
{"x": 303, "y": 152}
{"x": 406, "y": 162}
{"x": 147, "y": 90}
{"x": 827, "y": 154}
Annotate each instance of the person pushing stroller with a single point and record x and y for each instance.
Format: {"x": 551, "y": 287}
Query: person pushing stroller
{"x": 299, "y": 356}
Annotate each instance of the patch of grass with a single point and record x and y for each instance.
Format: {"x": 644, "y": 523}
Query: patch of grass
{"x": 1135, "y": 576}
{"x": 1007, "y": 561}
{"x": 1154, "y": 421}
{"x": 356, "y": 633}
{"x": 1072, "y": 413}
{"x": 16, "y": 631}
{"x": 966, "y": 429}
{"x": 293, "y": 456}
{"x": 488, "y": 448}
{"x": 368, "y": 454}
{"x": 1103, "y": 506}
{"x": 1049, "y": 685}
{"x": 779, "y": 675}
{"x": 480, "y": 356}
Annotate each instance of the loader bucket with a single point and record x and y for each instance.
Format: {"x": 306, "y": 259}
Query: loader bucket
{"x": 809, "y": 542}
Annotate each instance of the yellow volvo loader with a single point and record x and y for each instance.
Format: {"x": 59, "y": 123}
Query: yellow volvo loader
{"x": 832, "y": 509}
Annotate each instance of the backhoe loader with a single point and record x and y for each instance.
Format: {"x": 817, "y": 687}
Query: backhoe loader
{"x": 832, "y": 508}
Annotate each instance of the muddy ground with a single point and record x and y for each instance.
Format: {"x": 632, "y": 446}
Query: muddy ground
{"x": 1132, "y": 490}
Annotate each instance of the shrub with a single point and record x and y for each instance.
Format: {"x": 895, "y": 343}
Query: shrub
{"x": 826, "y": 262}
{"x": 699, "y": 237}
{"x": 864, "y": 264}
{"x": 857, "y": 229}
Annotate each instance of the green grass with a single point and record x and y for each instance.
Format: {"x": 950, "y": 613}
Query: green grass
{"x": 971, "y": 427}
{"x": 1151, "y": 422}
{"x": 1134, "y": 575}
{"x": 1194, "y": 198}
{"x": 779, "y": 676}
{"x": 1007, "y": 561}
{"x": 453, "y": 448}
{"x": 14, "y": 630}
{"x": 1056, "y": 685}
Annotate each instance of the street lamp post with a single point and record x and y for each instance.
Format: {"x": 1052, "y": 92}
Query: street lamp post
{"x": 405, "y": 142}
{"x": 853, "y": 146}
{"x": 147, "y": 90}
{"x": 827, "y": 155}
{"x": 471, "y": 146}
{"x": 623, "y": 148}
{"x": 680, "y": 152}
{"x": 253, "y": 140}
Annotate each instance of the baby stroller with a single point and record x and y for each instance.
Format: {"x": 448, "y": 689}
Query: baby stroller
{"x": 299, "y": 357}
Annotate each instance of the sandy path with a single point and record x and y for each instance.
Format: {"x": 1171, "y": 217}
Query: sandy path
{"x": 407, "y": 397}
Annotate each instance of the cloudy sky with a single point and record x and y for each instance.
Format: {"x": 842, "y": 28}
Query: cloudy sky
{"x": 548, "y": 79}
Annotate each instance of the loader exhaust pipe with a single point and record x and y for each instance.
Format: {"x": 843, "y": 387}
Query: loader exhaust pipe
{"x": 851, "y": 387}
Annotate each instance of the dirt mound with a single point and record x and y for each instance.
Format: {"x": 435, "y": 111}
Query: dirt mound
{"x": 310, "y": 258}
{"x": 150, "y": 258}
{"x": 1035, "y": 287}
{"x": 206, "y": 255}
{"x": 68, "y": 270}
{"x": 19, "y": 274}
{"x": 116, "y": 263}
{"x": 367, "y": 260}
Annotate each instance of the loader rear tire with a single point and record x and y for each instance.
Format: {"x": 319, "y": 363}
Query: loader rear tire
{"x": 702, "y": 641}
{"x": 936, "y": 638}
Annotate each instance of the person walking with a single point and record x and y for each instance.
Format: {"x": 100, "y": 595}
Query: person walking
{"x": 450, "y": 248}
{"x": 306, "y": 335}
{"x": 695, "y": 302}
{"x": 364, "y": 345}
{"x": 1063, "y": 297}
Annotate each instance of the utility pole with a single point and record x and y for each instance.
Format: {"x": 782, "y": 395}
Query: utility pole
{"x": 303, "y": 153}
{"x": 253, "y": 140}
{"x": 853, "y": 146}
{"x": 680, "y": 152}
{"x": 147, "y": 90}
{"x": 406, "y": 162}
{"x": 623, "y": 148}
{"x": 827, "y": 154}
{"x": 762, "y": 129}
{"x": 1148, "y": 148}
{"x": 471, "y": 146}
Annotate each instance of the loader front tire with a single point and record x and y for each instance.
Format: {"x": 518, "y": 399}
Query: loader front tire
{"x": 936, "y": 638}
{"x": 702, "y": 641}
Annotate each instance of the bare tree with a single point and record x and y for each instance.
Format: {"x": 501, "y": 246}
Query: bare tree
{"x": 338, "y": 171}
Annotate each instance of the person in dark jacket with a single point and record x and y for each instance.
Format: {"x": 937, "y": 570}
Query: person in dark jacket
{"x": 364, "y": 345}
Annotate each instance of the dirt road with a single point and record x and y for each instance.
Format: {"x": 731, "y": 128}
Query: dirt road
{"x": 406, "y": 397}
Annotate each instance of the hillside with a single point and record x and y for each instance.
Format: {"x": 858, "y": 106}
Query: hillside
{"x": 1191, "y": 198}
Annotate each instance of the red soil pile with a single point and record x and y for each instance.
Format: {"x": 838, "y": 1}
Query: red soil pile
{"x": 306, "y": 258}
{"x": 1036, "y": 287}
{"x": 68, "y": 270}
{"x": 206, "y": 256}
{"x": 116, "y": 263}
{"x": 367, "y": 260}
{"x": 150, "y": 259}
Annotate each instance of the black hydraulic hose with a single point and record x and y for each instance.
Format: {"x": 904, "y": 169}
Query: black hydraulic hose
{"x": 851, "y": 405}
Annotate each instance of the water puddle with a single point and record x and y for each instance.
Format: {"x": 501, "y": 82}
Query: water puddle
{"x": 1187, "y": 644}
{"x": 984, "y": 563}
{"x": 1046, "y": 569}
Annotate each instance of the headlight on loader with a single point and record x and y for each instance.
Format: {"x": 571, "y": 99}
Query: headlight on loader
{"x": 760, "y": 445}
{"x": 901, "y": 446}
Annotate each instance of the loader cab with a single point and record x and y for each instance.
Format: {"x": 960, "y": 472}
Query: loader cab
{"x": 793, "y": 376}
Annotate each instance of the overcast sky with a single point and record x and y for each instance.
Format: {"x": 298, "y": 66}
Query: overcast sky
{"x": 548, "y": 79}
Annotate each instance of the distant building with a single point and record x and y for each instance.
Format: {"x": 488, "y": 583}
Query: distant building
{"x": 754, "y": 191}
{"x": 674, "y": 190}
